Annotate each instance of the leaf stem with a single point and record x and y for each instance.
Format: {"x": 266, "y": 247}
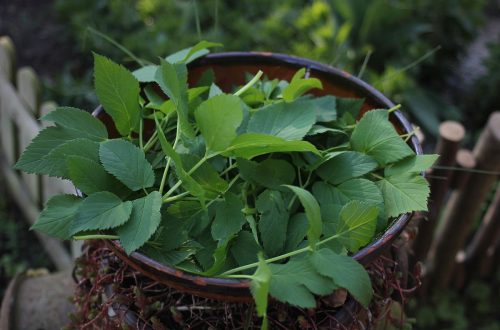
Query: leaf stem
{"x": 96, "y": 236}
{"x": 141, "y": 131}
{"x": 167, "y": 166}
{"x": 250, "y": 83}
{"x": 394, "y": 108}
{"x": 281, "y": 257}
{"x": 176, "y": 197}
{"x": 194, "y": 168}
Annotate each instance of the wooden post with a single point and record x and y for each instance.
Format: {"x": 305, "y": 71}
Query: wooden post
{"x": 485, "y": 236}
{"x": 465, "y": 161}
{"x": 7, "y": 58}
{"x": 464, "y": 205}
{"x": 451, "y": 135}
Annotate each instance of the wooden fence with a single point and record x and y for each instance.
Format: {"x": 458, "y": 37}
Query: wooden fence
{"x": 20, "y": 107}
{"x": 457, "y": 242}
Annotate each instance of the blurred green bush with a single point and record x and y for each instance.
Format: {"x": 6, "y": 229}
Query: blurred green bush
{"x": 390, "y": 43}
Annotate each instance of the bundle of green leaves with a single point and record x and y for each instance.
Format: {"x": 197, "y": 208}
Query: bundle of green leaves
{"x": 265, "y": 183}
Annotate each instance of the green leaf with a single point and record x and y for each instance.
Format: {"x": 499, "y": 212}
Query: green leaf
{"x": 296, "y": 281}
{"x": 357, "y": 224}
{"x": 218, "y": 118}
{"x": 345, "y": 166}
{"x": 355, "y": 189}
{"x": 313, "y": 214}
{"x": 57, "y": 216}
{"x": 350, "y": 106}
{"x": 270, "y": 173}
{"x": 250, "y": 145}
{"x": 214, "y": 90}
{"x": 33, "y": 158}
{"x": 89, "y": 176}
{"x": 55, "y": 161}
{"x": 172, "y": 79}
{"x": 102, "y": 210}
{"x": 324, "y": 107}
{"x": 404, "y": 193}
{"x": 289, "y": 121}
{"x": 260, "y": 286}
{"x": 205, "y": 176}
{"x": 219, "y": 257}
{"x": 118, "y": 92}
{"x": 273, "y": 221}
{"x": 228, "y": 217}
{"x": 81, "y": 121}
{"x": 375, "y": 136}
{"x": 190, "y": 54}
{"x": 318, "y": 129}
{"x": 299, "y": 86}
{"x": 188, "y": 182}
{"x": 146, "y": 74}
{"x": 345, "y": 272}
{"x": 296, "y": 231}
{"x": 199, "y": 50}
{"x": 244, "y": 248}
{"x": 144, "y": 221}
{"x": 415, "y": 164}
{"x": 127, "y": 163}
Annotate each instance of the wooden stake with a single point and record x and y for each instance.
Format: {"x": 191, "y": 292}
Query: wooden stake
{"x": 464, "y": 161}
{"x": 485, "y": 236}
{"x": 451, "y": 135}
{"x": 465, "y": 204}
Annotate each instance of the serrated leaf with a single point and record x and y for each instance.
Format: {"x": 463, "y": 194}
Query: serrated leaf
{"x": 270, "y": 173}
{"x": 345, "y": 272}
{"x": 415, "y": 164}
{"x": 355, "y": 189}
{"x": 102, "y": 210}
{"x": 404, "y": 193}
{"x": 250, "y": 145}
{"x": 144, "y": 221}
{"x": 313, "y": 214}
{"x": 118, "y": 92}
{"x": 172, "y": 79}
{"x": 55, "y": 162}
{"x": 218, "y": 118}
{"x": 81, "y": 121}
{"x": 32, "y": 159}
{"x": 345, "y": 166}
{"x": 127, "y": 163}
{"x": 146, "y": 73}
{"x": 299, "y": 86}
{"x": 296, "y": 281}
{"x": 260, "y": 286}
{"x": 57, "y": 216}
{"x": 375, "y": 136}
{"x": 273, "y": 221}
{"x": 357, "y": 224}
{"x": 228, "y": 217}
{"x": 89, "y": 176}
{"x": 289, "y": 121}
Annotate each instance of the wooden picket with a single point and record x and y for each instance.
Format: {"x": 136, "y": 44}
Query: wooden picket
{"x": 20, "y": 92}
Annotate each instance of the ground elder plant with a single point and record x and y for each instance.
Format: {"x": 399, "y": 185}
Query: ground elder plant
{"x": 264, "y": 182}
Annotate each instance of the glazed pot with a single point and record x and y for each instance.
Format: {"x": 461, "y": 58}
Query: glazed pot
{"x": 230, "y": 70}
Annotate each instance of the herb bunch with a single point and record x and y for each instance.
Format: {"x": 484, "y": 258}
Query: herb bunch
{"x": 266, "y": 183}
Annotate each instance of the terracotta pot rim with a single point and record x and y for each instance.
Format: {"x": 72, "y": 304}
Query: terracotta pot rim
{"x": 364, "y": 256}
